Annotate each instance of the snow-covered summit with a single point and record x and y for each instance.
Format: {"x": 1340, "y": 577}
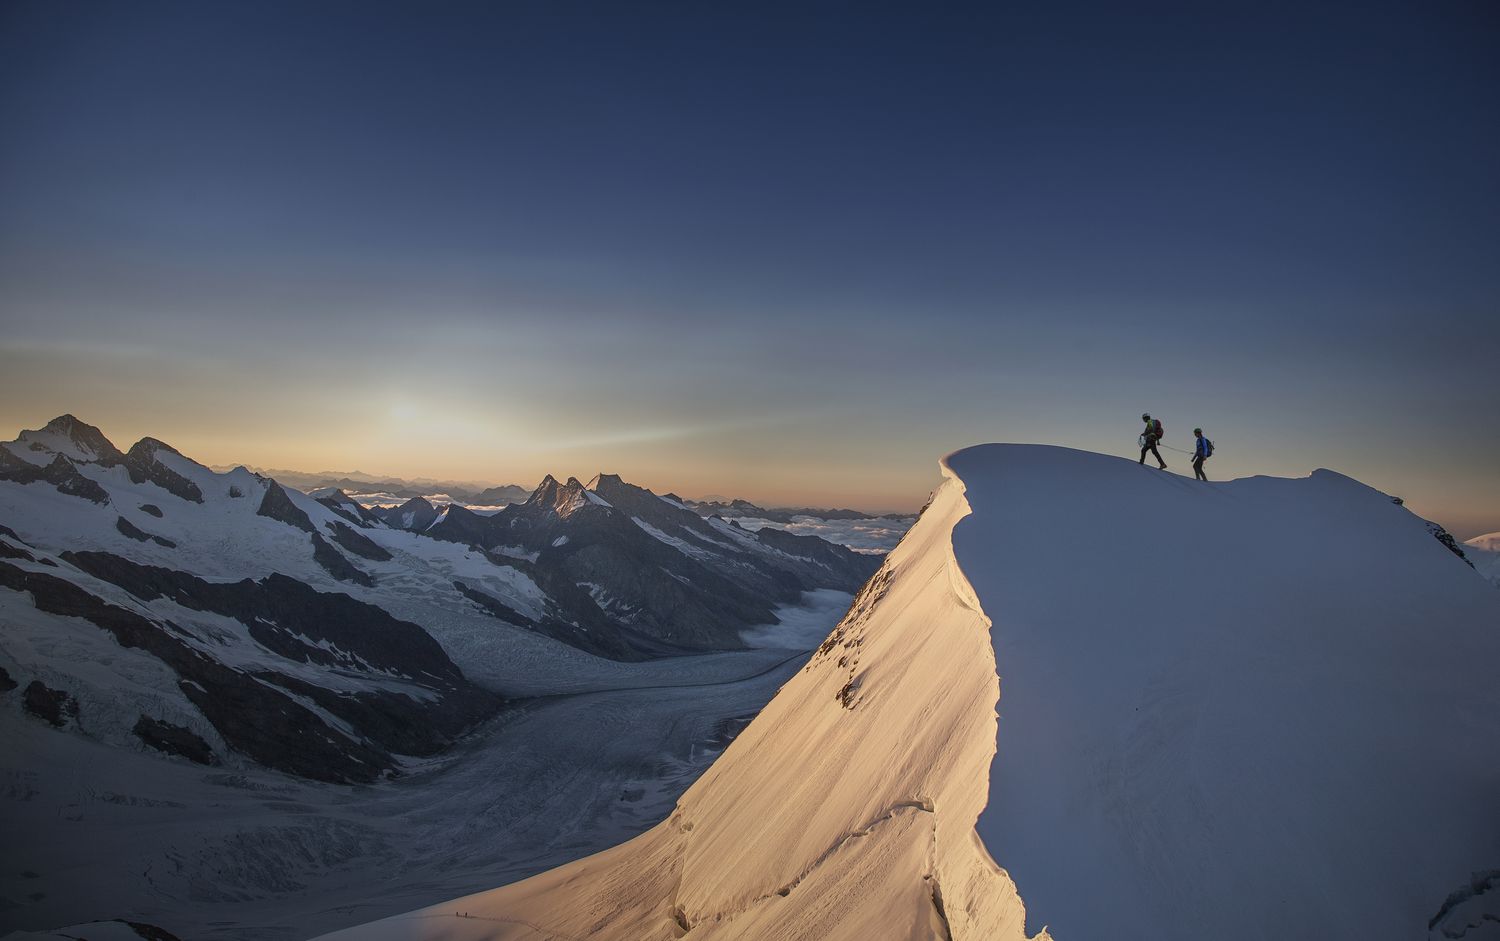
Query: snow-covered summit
{"x": 68, "y": 436}
{"x": 1244, "y": 710}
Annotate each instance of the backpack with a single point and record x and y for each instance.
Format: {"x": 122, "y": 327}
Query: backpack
{"x": 1156, "y": 428}
{"x": 1208, "y": 448}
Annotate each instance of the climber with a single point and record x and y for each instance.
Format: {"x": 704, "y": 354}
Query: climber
{"x": 1202, "y": 452}
{"x": 1149, "y": 438}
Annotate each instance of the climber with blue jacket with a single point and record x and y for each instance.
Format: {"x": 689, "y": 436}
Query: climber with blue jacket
{"x": 1201, "y": 453}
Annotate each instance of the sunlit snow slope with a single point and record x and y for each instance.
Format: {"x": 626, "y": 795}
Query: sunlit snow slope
{"x": 1260, "y": 709}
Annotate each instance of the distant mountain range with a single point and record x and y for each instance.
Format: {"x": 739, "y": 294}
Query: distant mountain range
{"x": 390, "y": 490}
{"x": 469, "y": 493}
{"x": 247, "y": 620}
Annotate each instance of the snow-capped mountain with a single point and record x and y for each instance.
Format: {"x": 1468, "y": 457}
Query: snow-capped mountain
{"x": 1246, "y": 710}
{"x": 242, "y": 619}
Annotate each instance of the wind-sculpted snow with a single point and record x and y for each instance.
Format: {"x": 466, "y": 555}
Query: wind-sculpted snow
{"x": 1216, "y": 720}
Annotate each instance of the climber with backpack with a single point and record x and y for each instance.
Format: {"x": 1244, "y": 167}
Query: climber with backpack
{"x": 1201, "y": 453}
{"x": 1149, "y": 439}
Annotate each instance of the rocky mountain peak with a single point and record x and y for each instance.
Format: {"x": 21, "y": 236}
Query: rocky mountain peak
{"x": 562, "y": 499}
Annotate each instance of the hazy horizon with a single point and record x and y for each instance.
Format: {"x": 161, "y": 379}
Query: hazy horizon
{"x": 794, "y": 258}
{"x": 661, "y": 480}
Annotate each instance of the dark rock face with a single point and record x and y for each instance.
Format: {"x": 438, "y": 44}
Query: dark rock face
{"x": 459, "y": 525}
{"x": 414, "y": 515}
{"x": 6, "y": 683}
{"x": 1446, "y": 538}
{"x": 61, "y": 473}
{"x": 175, "y": 740}
{"x": 283, "y": 613}
{"x": 150, "y": 509}
{"x": 359, "y": 544}
{"x": 334, "y": 563}
{"x": 494, "y": 606}
{"x": 64, "y": 475}
{"x": 151, "y": 932}
{"x": 256, "y": 713}
{"x": 127, "y": 528}
{"x": 52, "y": 705}
{"x": 143, "y": 466}
{"x": 278, "y": 506}
{"x": 8, "y": 551}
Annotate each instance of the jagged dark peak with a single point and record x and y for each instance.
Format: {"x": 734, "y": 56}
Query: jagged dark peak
{"x": 546, "y": 492}
{"x": 88, "y": 442}
{"x": 415, "y": 503}
{"x": 562, "y": 499}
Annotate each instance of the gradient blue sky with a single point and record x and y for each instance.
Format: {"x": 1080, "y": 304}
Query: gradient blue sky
{"x": 788, "y": 252}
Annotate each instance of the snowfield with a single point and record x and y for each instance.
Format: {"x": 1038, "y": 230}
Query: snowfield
{"x": 1257, "y": 709}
